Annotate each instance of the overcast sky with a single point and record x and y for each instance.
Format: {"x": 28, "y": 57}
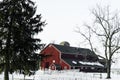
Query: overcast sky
{"x": 63, "y": 16}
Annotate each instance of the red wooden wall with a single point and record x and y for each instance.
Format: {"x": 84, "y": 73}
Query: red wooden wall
{"x": 55, "y": 57}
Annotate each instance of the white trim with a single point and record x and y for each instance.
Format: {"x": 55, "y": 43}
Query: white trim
{"x": 60, "y": 55}
{"x": 44, "y": 49}
{"x": 55, "y": 48}
{"x": 66, "y": 63}
{"x": 51, "y": 66}
{"x": 58, "y": 51}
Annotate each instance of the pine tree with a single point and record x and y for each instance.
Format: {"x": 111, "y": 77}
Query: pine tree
{"x": 18, "y": 25}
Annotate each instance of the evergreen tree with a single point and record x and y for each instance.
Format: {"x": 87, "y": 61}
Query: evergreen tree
{"x": 18, "y": 25}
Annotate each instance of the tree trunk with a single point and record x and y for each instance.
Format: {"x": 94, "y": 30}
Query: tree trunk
{"x": 108, "y": 69}
{"x": 24, "y": 76}
{"x": 7, "y": 53}
{"x": 6, "y": 73}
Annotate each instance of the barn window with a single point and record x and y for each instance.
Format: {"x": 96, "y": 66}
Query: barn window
{"x": 92, "y": 67}
{"x": 86, "y": 67}
{"x": 81, "y": 67}
{"x": 65, "y": 67}
{"x": 52, "y": 67}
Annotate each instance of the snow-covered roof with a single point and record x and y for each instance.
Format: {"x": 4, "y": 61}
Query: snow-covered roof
{"x": 74, "y": 62}
{"x": 90, "y": 63}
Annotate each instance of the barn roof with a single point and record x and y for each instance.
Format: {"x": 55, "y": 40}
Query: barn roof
{"x": 74, "y": 62}
{"x": 74, "y": 50}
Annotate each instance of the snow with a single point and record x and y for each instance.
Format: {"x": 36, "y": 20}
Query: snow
{"x": 88, "y": 63}
{"x": 91, "y": 63}
{"x": 116, "y": 64}
{"x": 63, "y": 75}
{"x": 74, "y": 62}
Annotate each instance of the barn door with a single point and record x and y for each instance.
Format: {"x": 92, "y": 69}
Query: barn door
{"x": 47, "y": 65}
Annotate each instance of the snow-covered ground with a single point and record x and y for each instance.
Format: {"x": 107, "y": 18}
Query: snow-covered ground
{"x": 63, "y": 75}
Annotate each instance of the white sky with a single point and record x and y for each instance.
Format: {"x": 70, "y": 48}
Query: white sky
{"x": 63, "y": 16}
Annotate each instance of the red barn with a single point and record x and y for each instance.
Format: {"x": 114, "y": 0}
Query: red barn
{"x": 65, "y": 57}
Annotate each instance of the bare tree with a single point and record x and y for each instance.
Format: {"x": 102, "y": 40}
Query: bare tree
{"x": 87, "y": 36}
{"x": 106, "y": 26}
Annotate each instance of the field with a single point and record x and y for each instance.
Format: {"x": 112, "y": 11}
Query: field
{"x": 62, "y": 75}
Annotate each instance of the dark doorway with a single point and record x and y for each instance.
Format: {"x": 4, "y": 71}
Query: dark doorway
{"x": 47, "y": 65}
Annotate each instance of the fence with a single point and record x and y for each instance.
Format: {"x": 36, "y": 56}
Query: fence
{"x": 69, "y": 75}
{"x": 60, "y": 75}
